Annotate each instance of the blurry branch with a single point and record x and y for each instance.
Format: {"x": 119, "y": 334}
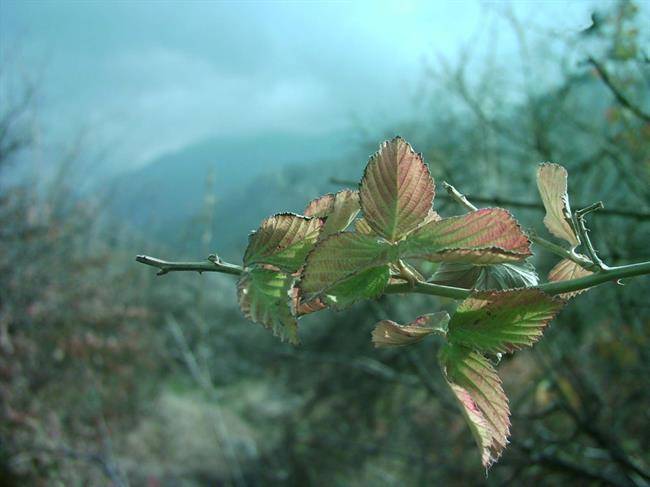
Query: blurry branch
{"x": 585, "y": 418}
{"x": 13, "y": 139}
{"x": 204, "y": 380}
{"x": 212, "y": 264}
{"x": 495, "y": 200}
{"x": 618, "y": 94}
{"x": 554, "y": 462}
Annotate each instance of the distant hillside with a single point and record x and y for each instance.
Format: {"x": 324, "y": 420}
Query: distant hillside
{"x": 252, "y": 177}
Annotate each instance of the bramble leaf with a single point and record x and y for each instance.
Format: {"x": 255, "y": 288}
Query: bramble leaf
{"x": 300, "y": 306}
{"x": 486, "y": 236}
{"x": 552, "y": 185}
{"x": 477, "y": 387}
{"x": 396, "y": 190}
{"x": 361, "y": 226}
{"x": 508, "y": 275}
{"x": 502, "y": 321}
{"x": 368, "y": 284}
{"x": 565, "y": 270}
{"x": 264, "y": 297}
{"x": 343, "y": 256}
{"x": 387, "y": 333}
{"x": 339, "y": 210}
{"x": 283, "y": 240}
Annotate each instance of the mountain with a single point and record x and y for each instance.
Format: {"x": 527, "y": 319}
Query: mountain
{"x": 230, "y": 184}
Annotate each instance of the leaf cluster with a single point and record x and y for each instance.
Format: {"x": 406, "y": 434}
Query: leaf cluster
{"x": 352, "y": 245}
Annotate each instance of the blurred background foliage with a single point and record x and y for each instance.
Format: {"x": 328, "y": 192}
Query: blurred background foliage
{"x": 110, "y": 375}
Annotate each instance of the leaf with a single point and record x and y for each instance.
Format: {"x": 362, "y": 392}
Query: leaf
{"x": 283, "y": 240}
{"x": 565, "y": 270}
{"x": 368, "y": 284}
{"x": 502, "y": 321}
{"x": 552, "y": 185}
{"x": 300, "y": 306}
{"x": 387, "y": 333}
{"x": 396, "y": 190}
{"x": 485, "y": 236}
{"x": 342, "y": 256}
{"x": 508, "y": 275}
{"x": 339, "y": 210}
{"x": 477, "y": 387}
{"x": 361, "y": 226}
{"x": 264, "y": 297}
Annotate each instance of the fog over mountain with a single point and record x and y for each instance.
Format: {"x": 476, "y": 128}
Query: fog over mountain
{"x": 141, "y": 79}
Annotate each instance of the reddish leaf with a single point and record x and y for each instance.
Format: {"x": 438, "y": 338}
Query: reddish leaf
{"x": 478, "y": 389}
{"x": 338, "y": 210}
{"x": 387, "y": 333}
{"x": 552, "y": 185}
{"x": 396, "y": 191}
{"x": 486, "y": 236}
{"x": 283, "y": 240}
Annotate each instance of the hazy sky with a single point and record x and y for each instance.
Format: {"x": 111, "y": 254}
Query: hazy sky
{"x": 145, "y": 77}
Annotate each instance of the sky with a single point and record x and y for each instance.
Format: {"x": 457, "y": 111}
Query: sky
{"x": 148, "y": 77}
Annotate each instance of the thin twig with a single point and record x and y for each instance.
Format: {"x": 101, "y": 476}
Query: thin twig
{"x": 583, "y": 232}
{"x": 212, "y": 264}
{"x": 459, "y": 197}
{"x": 611, "y": 274}
{"x": 203, "y": 379}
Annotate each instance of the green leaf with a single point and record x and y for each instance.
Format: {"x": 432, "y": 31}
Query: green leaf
{"x": 484, "y": 404}
{"x": 396, "y": 190}
{"x": 565, "y": 270}
{"x": 338, "y": 209}
{"x": 343, "y": 256}
{"x": 508, "y": 275}
{"x": 502, "y": 321}
{"x": 264, "y": 297}
{"x": 368, "y": 284}
{"x": 552, "y": 185}
{"x": 387, "y": 333}
{"x": 361, "y": 226}
{"x": 486, "y": 236}
{"x": 283, "y": 240}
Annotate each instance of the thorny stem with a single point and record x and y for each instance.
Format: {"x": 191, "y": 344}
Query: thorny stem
{"x": 542, "y": 242}
{"x": 610, "y": 274}
{"x": 583, "y": 232}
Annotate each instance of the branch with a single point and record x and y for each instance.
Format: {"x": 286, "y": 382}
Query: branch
{"x": 618, "y": 94}
{"x": 419, "y": 287}
{"x": 553, "y": 288}
{"x": 498, "y": 201}
{"x": 212, "y": 264}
